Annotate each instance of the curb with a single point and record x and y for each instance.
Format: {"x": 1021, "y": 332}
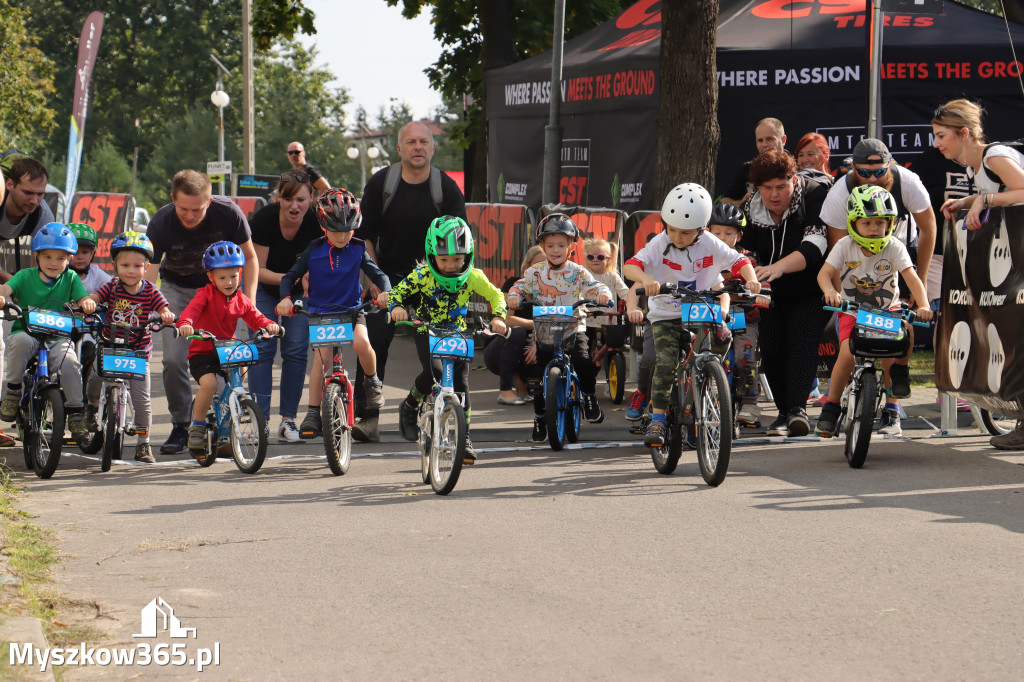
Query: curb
{"x": 22, "y": 631}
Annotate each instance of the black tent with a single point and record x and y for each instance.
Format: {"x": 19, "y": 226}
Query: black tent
{"x": 806, "y": 63}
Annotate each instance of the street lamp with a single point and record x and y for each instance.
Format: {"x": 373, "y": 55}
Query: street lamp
{"x": 220, "y": 100}
{"x": 362, "y": 152}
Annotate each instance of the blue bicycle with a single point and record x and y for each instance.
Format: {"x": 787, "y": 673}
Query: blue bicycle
{"x": 563, "y": 396}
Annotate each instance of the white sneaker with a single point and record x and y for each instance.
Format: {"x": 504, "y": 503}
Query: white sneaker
{"x": 749, "y": 415}
{"x": 289, "y": 432}
{"x": 890, "y": 423}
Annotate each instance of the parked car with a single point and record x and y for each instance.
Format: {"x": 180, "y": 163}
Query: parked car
{"x": 141, "y": 221}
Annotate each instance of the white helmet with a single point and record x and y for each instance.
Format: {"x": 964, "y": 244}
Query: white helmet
{"x": 687, "y": 207}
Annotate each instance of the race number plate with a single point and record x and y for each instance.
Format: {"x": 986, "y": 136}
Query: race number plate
{"x": 738, "y": 321}
{"x": 547, "y": 310}
{"x": 457, "y": 347}
{"x": 700, "y": 314}
{"x": 878, "y": 324}
{"x": 330, "y": 331}
{"x": 234, "y": 353}
{"x": 123, "y": 363}
{"x": 50, "y": 322}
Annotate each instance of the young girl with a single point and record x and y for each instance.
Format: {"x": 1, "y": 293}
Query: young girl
{"x": 602, "y": 261}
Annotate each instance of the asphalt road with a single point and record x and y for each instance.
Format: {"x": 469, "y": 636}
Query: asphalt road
{"x": 584, "y": 564}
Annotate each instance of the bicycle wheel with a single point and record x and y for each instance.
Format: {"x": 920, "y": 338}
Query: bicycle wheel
{"x": 573, "y": 409}
{"x": 426, "y": 422}
{"x": 449, "y": 449}
{"x": 249, "y": 437}
{"x": 997, "y": 424}
{"x": 714, "y": 424}
{"x": 25, "y": 436}
{"x": 666, "y": 457}
{"x": 48, "y": 438}
{"x": 554, "y": 407}
{"x": 337, "y": 434}
{"x": 113, "y": 437}
{"x": 616, "y": 375}
{"x": 862, "y": 419}
{"x": 211, "y": 442}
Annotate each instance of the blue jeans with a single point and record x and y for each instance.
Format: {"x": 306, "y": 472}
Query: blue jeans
{"x": 293, "y": 360}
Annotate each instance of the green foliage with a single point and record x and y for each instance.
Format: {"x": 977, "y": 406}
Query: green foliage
{"x": 449, "y": 154}
{"x": 105, "y": 169}
{"x": 26, "y": 82}
{"x": 274, "y": 19}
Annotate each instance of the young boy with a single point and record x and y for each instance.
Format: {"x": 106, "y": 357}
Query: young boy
{"x": 559, "y": 281}
{"x": 442, "y": 287}
{"x": 863, "y": 265}
{"x": 334, "y": 262}
{"x": 49, "y": 285}
{"x": 216, "y": 308}
{"x": 132, "y": 300}
{"x": 93, "y": 276}
{"x": 688, "y": 255}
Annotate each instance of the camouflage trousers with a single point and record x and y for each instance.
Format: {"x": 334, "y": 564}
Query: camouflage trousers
{"x": 669, "y": 335}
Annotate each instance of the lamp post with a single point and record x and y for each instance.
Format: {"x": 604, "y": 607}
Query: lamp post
{"x": 362, "y": 153}
{"x": 220, "y": 100}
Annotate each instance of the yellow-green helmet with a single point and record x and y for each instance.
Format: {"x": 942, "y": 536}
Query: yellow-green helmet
{"x": 449, "y": 236}
{"x": 870, "y": 201}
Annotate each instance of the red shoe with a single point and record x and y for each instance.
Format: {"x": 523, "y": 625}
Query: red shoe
{"x": 5, "y": 440}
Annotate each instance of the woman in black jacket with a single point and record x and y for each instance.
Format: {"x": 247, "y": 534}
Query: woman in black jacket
{"x": 790, "y": 241}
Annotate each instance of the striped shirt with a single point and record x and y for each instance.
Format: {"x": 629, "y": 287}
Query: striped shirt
{"x": 132, "y": 309}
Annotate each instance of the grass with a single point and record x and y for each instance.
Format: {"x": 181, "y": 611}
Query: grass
{"x": 922, "y": 368}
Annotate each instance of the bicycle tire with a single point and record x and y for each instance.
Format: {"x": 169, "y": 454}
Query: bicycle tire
{"x": 616, "y": 375}
{"x": 714, "y": 424}
{"x": 336, "y": 431}
{"x": 573, "y": 409}
{"x": 996, "y": 424}
{"x": 211, "y": 442}
{"x": 449, "y": 448}
{"x": 249, "y": 437}
{"x": 50, "y": 413}
{"x": 862, "y": 419}
{"x": 666, "y": 457}
{"x": 426, "y": 422}
{"x": 554, "y": 408}
{"x": 113, "y": 437}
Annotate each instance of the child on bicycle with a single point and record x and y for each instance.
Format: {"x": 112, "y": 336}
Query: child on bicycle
{"x": 93, "y": 276}
{"x": 131, "y": 299}
{"x": 689, "y": 256}
{"x": 334, "y": 262}
{"x": 862, "y": 268}
{"x": 559, "y": 281}
{"x": 49, "y": 285}
{"x": 216, "y": 309}
{"x": 727, "y": 223}
{"x": 442, "y": 287}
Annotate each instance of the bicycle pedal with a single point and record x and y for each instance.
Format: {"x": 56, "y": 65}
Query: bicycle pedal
{"x": 753, "y": 425}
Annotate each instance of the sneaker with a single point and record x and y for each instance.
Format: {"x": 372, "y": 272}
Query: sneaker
{"x": 637, "y": 403}
{"x": 592, "y": 409}
{"x": 797, "y": 423}
{"x": 691, "y": 437}
{"x": 91, "y": 422}
{"x": 289, "y": 432}
{"x": 654, "y": 437}
{"x": 76, "y": 425}
{"x": 828, "y": 420}
{"x": 9, "y": 408}
{"x": 779, "y": 427}
{"x": 144, "y": 454}
{"x": 407, "y": 421}
{"x": 311, "y": 426}
{"x": 175, "y": 442}
{"x": 374, "y": 393}
{"x": 470, "y": 457}
{"x": 749, "y": 416}
{"x": 197, "y": 440}
{"x": 889, "y": 424}
{"x": 6, "y": 441}
{"x": 540, "y": 430}
{"x": 900, "y": 375}
{"x": 1014, "y": 440}
{"x": 365, "y": 430}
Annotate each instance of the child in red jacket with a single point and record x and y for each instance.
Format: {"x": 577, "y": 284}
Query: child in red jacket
{"x": 216, "y": 308}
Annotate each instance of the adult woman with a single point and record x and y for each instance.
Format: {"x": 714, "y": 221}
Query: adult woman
{"x": 788, "y": 238}
{"x": 508, "y": 357}
{"x": 998, "y": 175}
{"x": 280, "y": 233}
{"x": 812, "y": 152}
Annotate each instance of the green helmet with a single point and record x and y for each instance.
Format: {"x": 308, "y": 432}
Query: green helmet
{"x": 870, "y": 201}
{"x": 449, "y": 236}
{"x": 83, "y": 233}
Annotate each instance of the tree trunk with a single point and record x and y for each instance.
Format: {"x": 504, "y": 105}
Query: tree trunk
{"x": 498, "y": 50}
{"x": 687, "y": 134}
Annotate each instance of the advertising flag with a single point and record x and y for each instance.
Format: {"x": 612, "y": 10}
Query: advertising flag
{"x": 88, "y": 47}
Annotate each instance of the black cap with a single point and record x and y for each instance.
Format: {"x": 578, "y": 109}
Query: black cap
{"x": 869, "y": 147}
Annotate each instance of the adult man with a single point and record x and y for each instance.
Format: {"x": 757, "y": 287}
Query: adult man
{"x": 181, "y": 231}
{"x": 23, "y": 208}
{"x": 395, "y": 239}
{"x": 915, "y": 227}
{"x": 297, "y": 158}
{"x": 768, "y": 134}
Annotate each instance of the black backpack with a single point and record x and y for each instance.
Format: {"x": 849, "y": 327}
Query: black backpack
{"x": 394, "y": 176}
{"x": 1017, "y": 145}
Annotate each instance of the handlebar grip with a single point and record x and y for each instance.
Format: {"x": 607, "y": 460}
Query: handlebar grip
{"x": 833, "y": 309}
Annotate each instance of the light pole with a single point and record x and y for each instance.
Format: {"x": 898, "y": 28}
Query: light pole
{"x": 220, "y": 100}
{"x": 362, "y": 152}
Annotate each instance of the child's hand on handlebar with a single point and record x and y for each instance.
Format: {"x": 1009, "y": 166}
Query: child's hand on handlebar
{"x": 833, "y": 299}
{"x": 398, "y": 314}
{"x": 925, "y": 314}
{"x": 87, "y": 305}
{"x": 514, "y": 300}
{"x": 753, "y": 286}
{"x": 603, "y": 299}
{"x": 652, "y": 288}
{"x": 498, "y": 326}
{"x": 635, "y": 315}
{"x": 167, "y": 317}
{"x": 284, "y": 308}
{"x": 271, "y": 329}
{"x": 382, "y": 299}
{"x": 185, "y": 330}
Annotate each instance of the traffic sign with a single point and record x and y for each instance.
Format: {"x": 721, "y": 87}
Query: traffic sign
{"x": 218, "y": 168}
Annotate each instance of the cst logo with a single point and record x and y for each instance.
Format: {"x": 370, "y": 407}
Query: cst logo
{"x": 573, "y": 190}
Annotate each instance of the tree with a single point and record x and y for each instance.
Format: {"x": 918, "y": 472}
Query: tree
{"x": 104, "y": 169}
{"x": 26, "y": 82}
{"x": 687, "y": 127}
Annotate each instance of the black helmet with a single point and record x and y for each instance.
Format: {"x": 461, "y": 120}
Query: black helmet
{"x": 557, "y": 223}
{"x": 727, "y": 214}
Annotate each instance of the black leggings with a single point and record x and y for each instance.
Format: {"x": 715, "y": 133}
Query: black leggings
{"x": 432, "y": 369}
{"x": 789, "y": 334}
{"x": 504, "y": 357}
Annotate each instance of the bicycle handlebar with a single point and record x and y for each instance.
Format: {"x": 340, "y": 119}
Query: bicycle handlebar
{"x": 582, "y": 302}
{"x": 850, "y": 307}
{"x": 13, "y": 308}
{"x": 203, "y": 335}
{"x": 299, "y": 308}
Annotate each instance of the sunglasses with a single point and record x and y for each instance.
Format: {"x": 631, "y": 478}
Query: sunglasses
{"x": 294, "y": 151}
{"x": 940, "y": 111}
{"x": 296, "y": 177}
{"x": 868, "y": 173}
{"x": 599, "y": 257}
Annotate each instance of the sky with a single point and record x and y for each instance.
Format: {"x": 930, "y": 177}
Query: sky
{"x": 376, "y": 54}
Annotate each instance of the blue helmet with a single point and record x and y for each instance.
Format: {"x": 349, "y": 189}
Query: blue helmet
{"x": 55, "y": 236}
{"x": 223, "y": 255}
